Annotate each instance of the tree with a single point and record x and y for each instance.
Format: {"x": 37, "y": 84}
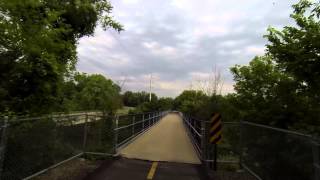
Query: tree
{"x": 212, "y": 85}
{"x": 95, "y": 92}
{"x": 282, "y": 87}
{"x": 38, "y": 48}
{"x": 190, "y": 101}
{"x": 264, "y": 94}
{"x": 165, "y": 103}
{"x": 127, "y": 99}
{"x": 296, "y": 49}
{"x": 134, "y": 99}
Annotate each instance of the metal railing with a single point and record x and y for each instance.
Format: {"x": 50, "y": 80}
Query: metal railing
{"x": 127, "y": 127}
{"x": 228, "y": 148}
{"x": 32, "y": 146}
{"x": 266, "y": 152}
{"x": 196, "y": 132}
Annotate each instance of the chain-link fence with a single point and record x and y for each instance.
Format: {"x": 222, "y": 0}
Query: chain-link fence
{"x": 33, "y": 144}
{"x": 30, "y": 146}
{"x": 277, "y": 154}
{"x": 267, "y": 153}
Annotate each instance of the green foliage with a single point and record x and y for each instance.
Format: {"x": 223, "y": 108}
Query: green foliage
{"x": 190, "y": 101}
{"x": 91, "y": 92}
{"x": 267, "y": 95}
{"x": 165, "y": 103}
{"x": 143, "y": 104}
{"x": 134, "y": 99}
{"x": 201, "y": 106}
{"x": 258, "y": 86}
{"x": 38, "y": 48}
{"x": 296, "y": 49}
{"x": 282, "y": 88}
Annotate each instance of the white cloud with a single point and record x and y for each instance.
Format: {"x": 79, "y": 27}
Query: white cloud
{"x": 182, "y": 4}
{"x": 131, "y": 1}
{"x": 232, "y": 43}
{"x": 179, "y": 41}
{"x": 210, "y": 31}
{"x": 157, "y": 49}
{"x": 199, "y": 75}
{"x": 255, "y": 50}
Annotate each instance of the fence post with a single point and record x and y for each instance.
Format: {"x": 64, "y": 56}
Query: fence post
{"x": 133, "y": 124}
{"x": 142, "y": 122}
{"x": 153, "y": 117}
{"x": 3, "y": 143}
{"x": 316, "y": 161}
{"x": 240, "y": 144}
{"x": 193, "y": 123}
{"x": 85, "y": 132}
{"x": 149, "y": 120}
{"x": 203, "y": 143}
{"x": 115, "y": 131}
{"x": 55, "y": 134}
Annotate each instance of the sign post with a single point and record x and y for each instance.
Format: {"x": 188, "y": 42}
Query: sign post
{"x": 215, "y": 135}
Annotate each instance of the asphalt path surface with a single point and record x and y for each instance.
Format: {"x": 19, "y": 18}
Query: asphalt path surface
{"x": 167, "y": 141}
{"x": 164, "y": 152}
{"x": 131, "y": 169}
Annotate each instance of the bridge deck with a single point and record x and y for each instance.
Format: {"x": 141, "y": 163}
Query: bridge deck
{"x": 165, "y": 141}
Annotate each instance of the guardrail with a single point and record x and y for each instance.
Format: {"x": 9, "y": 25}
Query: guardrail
{"x": 266, "y": 152}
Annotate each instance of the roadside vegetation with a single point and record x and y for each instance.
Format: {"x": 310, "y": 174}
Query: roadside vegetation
{"x": 141, "y": 102}
{"x": 38, "y": 55}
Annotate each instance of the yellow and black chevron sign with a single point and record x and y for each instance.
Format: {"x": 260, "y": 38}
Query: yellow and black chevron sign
{"x": 215, "y": 129}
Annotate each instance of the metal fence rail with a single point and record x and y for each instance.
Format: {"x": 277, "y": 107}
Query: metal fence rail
{"x": 31, "y": 146}
{"x": 265, "y": 152}
{"x": 195, "y": 132}
{"x": 127, "y": 127}
{"x": 228, "y": 148}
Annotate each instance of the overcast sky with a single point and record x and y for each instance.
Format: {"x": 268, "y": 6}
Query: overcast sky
{"x": 180, "y": 41}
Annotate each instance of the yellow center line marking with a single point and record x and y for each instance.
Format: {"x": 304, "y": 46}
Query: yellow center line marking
{"x": 152, "y": 170}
